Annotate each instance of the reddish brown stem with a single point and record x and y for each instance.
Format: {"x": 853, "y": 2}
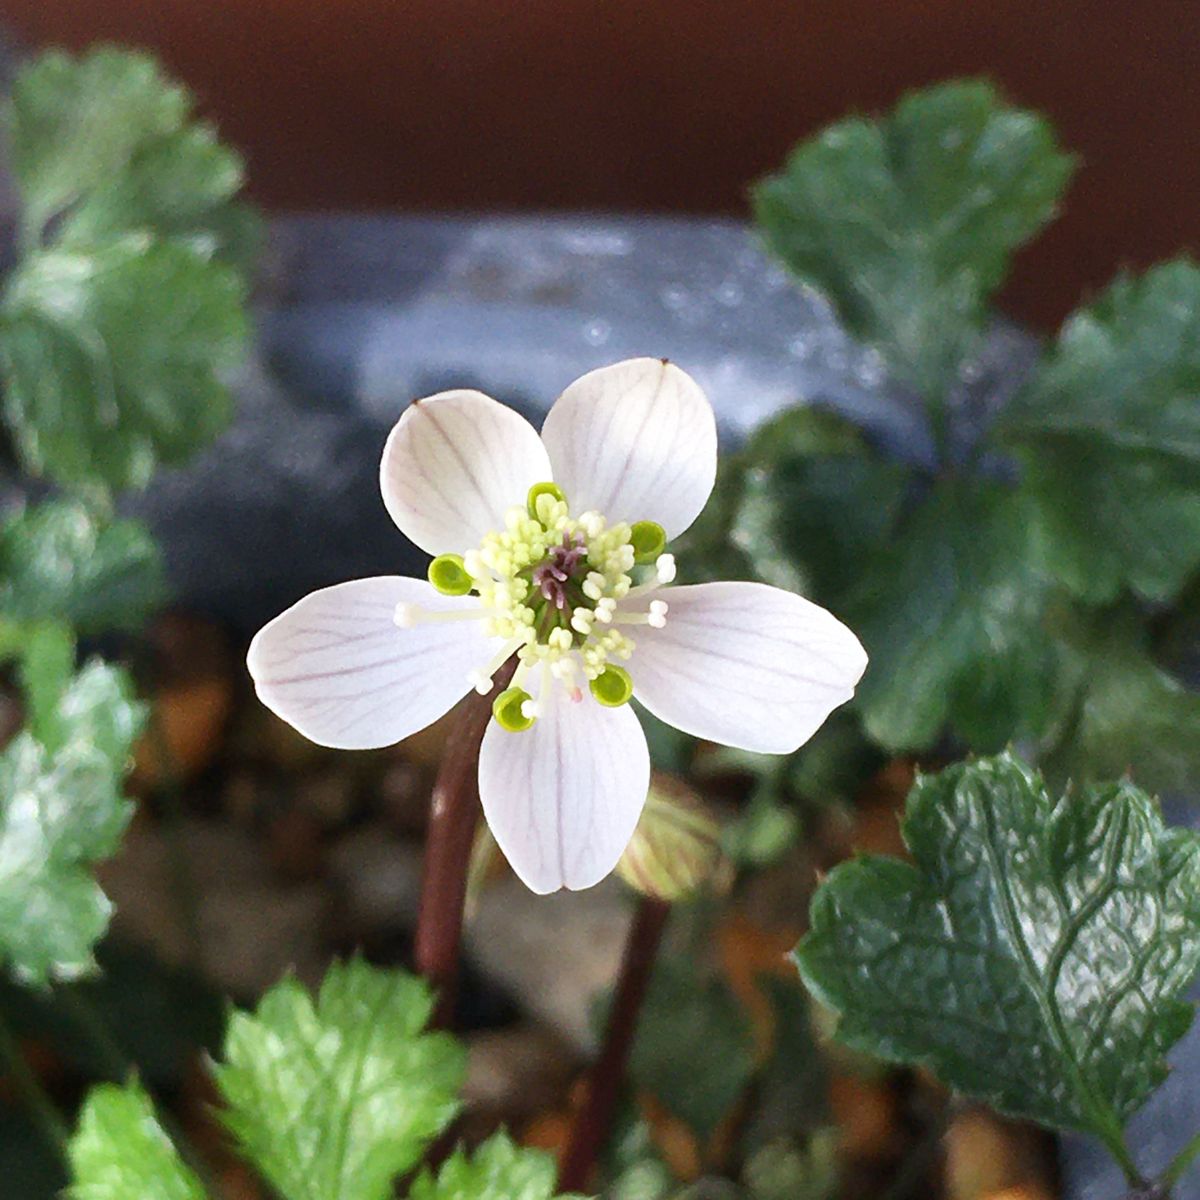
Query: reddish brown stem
{"x": 453, "y": 816}
{"x": 595, "y": 1118}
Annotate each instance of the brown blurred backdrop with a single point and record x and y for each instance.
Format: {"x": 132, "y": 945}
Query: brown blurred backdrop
{"x": 668, "y": 105}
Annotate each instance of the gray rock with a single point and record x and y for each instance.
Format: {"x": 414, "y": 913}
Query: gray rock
{"x": 554, "y": 954}
{"x": 252, "y": 931}
{"x": 359, "y": 315}
{"x": 378, "y": 880}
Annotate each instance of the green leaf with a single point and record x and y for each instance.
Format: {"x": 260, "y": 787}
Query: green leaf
{"x": 1109, "y": 434}
{"x": 59, "y": 561}
{"x": 694, "y": 1050}
{"x": 908, "y": 222}
{"x": 332, "y": 1100}
{"x": 61, "y": 810}
{"x": 815, "y": 502}
{"x": 120, "y": 1152}
{"x": 47, "y": 665}
{"x": 74, "y": 124}
{"x": 497, "y": 1170}
{"x": 951, "y": 611}
{"x": 1036, "y": 953}
{"x": 113, "y": 358}
{"x": 104, "y": 145}
{"x": 1124, "y": 714}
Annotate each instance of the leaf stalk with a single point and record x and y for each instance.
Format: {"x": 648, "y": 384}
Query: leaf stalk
{"x": 607, "y": 1075}
{"x": 453, "y": 816}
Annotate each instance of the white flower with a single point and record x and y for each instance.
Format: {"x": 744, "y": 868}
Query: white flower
{"x": 552, "y": 548}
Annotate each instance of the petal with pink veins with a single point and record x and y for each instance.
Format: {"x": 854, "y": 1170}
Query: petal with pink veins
{"x": 454, "y": 464}
{"x": 636, "y": 441}
{"x": 745, "y": 665}
{"x": 563, "y": 797}
{"x": 336, "y": 667}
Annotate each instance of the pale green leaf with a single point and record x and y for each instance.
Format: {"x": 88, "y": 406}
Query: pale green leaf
{"x": 61, "y": 810}
{"x": 908, "y": 222}
{"x": 1036, "y": 954}
{"x": 1109, "y": 434}
{"x": 120, "y": 1152}
{"x": 75, "y": 124}
{"x": 59, "y": 561}
{"x": 497, "y": 1170}
{"x": 114, "y": 358}
{"x": 105, "y": 144}
{"x": 331, "y": 1100}
{"x": 47, "y": 664}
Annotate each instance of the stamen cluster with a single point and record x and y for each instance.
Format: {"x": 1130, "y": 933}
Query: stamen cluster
{"x": 552, "y": 583}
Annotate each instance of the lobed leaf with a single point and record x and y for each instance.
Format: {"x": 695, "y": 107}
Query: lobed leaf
{"x": 104, "y": 145}
{"x": 58, "y": 561}
{"x": 1109, "y": 434}
{"x": 332, "y": 1099}
{"x": 61, "y": 810}
{"x": 1124, "y": 713}
{"x": 1036, "y": 952}
{"x": 113, "y": 358}
{"x": 908, "y": 222}
{"x": 693, "y": 1050}
{"x": 814, "y": 503}
{"x": 120, "y": 1152}
{"x": 497, "y": 1170}
{"x": 952, "y": 612}
{"x": 127, "y": 305}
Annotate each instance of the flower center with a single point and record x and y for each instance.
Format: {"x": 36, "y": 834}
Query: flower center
{"x": 560, "y": 593}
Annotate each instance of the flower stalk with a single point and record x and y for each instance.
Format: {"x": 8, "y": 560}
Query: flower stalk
{"x": 607, "y": 1075}
{"x": 453, "y": 815}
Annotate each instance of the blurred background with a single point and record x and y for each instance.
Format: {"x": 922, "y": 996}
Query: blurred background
{"x": 296, "y": 854}
{"x": 671, "y": 106}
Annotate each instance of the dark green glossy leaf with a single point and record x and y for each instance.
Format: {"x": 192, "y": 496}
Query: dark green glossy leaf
{"x": 59, "y": 561}
{"x": 114, "y": 357}
{"x": 160, "y": 1017}
{"x": 1110, "y": 438}
{"x": 792, "y": 1091}
{"x": 120, "y": 1152}
{"x": 951, "y": 612}
{"x": 1035, "y": 954}
{"x": 334, "y": 1098}
{"x": 61, "y": 810}
{"x": 497, "y": 1170}
{"x": 694, "y": 1051}
{"x": 1123, "y": 712}
{"x": 815, "y": 503}
{"x": 908, "y": 222}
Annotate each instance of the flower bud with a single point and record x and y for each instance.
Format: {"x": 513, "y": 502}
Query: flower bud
{"x": 676, "y": 847}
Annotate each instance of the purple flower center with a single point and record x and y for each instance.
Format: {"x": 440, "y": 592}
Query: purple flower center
{"x": 551, "y": 576}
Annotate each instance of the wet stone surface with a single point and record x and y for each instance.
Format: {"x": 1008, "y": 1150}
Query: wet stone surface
{"x": 359, "y": 315}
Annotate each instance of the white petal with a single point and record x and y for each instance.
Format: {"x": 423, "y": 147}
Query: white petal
{"x": 636, "y": 441}
{"x": 453, "y": 466}
{"x": 336, "y": 667}
{"x": 563, "y": 798}
{"x": 746, "y": 665}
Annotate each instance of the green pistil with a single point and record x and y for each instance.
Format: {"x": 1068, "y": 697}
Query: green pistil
{"x": 507, "y": 710}
{"x": 612, "y": 687}
{"x": 542, "y": 489}
{"x": 448, "y": 574}
{"x": 649, "y": 540}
